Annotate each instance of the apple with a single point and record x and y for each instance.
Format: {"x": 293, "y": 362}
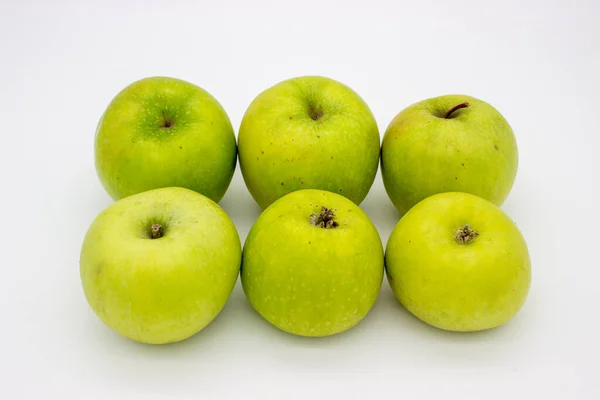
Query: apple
{"x": 458, "y": 262}
{"x": 158, "y": 266}
{"x": 452, "y": 143}
{"x": 312, "y": 263}
{"x": 308, "y": 133}
{"x": 163, "y": 132}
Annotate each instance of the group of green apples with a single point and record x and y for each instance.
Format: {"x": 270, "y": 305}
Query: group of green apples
{"x": 159, "y": 264}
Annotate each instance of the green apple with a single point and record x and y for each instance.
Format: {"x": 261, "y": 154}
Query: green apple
{"x": 445, "y": 144}
{"x": 165, "y": 132}
{"x": 158, "y": 266}
{"x": 457, "y": 262}
{"x": 308, "y": 133}
{"x": 312, "y": 263}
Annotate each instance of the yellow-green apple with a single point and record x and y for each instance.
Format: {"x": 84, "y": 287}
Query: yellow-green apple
{"x": 312, "y": 263}
{"x": 308, "y": 133}
{"x": 165, "y": 132}
{"x": 458, "y": 262}
{"x": 444, "y": 144}
{"x": 158, "y": 266}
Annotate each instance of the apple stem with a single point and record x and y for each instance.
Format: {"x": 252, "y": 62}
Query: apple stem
{"x": 325, "y": 219}
{"x": 314, "y": 112}
{"x": 166, "y": 122}
{"x": 156, "y": 231}
{"x": 457, "y": 107}
{"x": 465, "y": 235}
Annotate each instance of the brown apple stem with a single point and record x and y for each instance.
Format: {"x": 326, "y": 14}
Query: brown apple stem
{"x": 457, "y": 107}
{"x": 156, "y": 231}
{"x": 325, "y": 219}
{"x": 314, "y": 112}
{"x": 465, "y": 235}
{"x": 166, "y": 122}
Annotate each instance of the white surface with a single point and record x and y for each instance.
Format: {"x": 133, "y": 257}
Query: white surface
{"x": 536, "y": 61}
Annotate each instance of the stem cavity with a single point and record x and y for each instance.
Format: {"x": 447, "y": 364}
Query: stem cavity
{"x": 325, "y": 219}
{"x": 465, "y": 235}
{"x": 156, "y": 231}
{"x": 314, "y": 112}
{"x": 166, "y": 122}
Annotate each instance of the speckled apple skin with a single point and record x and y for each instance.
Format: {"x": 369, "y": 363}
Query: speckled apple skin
{"x": 282, "y": 149}
{"x": 423, "y": 153}
{"x": 160, "y": 290}
{"x": 453, "y": 286}
{"x": 135, "y": 152}
{"x": 308, "y": 280}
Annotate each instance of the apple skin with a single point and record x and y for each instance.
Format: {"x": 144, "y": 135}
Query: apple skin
{"x": 454, "y": 286}
{"x": 308, "y": 280}
{"x": 165, "y": 289}
{"x": 165, "y": 132}
{"x": 423, "y": 153}
{"x": 308, "y": 132}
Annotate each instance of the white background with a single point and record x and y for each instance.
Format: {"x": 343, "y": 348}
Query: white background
{"x": 62, "y": 62}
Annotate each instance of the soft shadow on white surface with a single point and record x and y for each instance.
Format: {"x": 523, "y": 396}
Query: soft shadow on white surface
{"x": 380, "y": 209}
{"x": 239, "y": 205}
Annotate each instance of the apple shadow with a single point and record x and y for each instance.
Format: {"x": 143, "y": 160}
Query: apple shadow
{"x": 206, "y": 339}
{"x": 290, "y": 339}
{"x": 409, "y": 321}
{"x": 381, "y": 210}
{"x": 91, "y": 198}
{"x": 354, "y": 335}
{"x": 164, "y": 366}
{"x": 240, "y": 206}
